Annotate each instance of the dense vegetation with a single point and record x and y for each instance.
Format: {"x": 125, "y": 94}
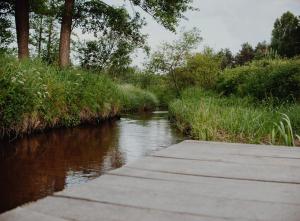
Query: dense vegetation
{"x": 277, "y": 79}
{"x": 50, "y": 91}
{"x": 209, "y": 116}
{"x": 34, "y": 96}
{"x": 252, "y": 96}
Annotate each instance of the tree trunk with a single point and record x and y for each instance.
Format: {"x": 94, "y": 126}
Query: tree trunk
{"x": 50, "y": 29}
{"x": 65, "y": 34}
{"x": 22, "y": 27}
{"x": 40, "y": 36}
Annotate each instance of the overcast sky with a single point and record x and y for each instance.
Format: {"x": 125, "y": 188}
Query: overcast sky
{"x": 226, "y": 23}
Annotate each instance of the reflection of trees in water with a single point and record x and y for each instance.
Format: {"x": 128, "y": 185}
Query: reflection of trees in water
{"x": 41, "y": 162}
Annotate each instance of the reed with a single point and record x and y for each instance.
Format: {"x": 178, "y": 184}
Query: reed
{"x": 207, "y": 116}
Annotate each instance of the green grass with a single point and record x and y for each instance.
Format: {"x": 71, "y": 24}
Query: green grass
{"x": 136, "y": 99}
{"x": 207, "y": 116}
{"x": 34, "y": 96}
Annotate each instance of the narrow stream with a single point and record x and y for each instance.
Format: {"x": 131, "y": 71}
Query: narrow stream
{"x": 36, "y": 166}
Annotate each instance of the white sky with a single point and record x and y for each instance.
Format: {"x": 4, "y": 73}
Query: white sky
{"x": 225, "y": 23}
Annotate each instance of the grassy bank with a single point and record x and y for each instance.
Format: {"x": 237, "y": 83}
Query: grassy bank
{"x": 34, "y": 96}
{"x": 207, "y": 116}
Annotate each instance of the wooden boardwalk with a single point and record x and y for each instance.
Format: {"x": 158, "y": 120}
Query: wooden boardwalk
{"x": 204, "y": 181}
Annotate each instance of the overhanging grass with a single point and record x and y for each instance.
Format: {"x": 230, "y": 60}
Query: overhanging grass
{"x": 206, "y": 116}
{"x": 136, "y": 99}
{"x": 34, "y": 96}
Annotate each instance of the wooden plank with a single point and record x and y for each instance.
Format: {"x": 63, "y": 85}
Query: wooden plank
{"x": 199, "y": 147}
{"x": 267, "y": 173}
{"x": 181, "y": 200}
{"x": 83, "y": 210}
{"x": 213, "y": 187}
{"x": 27, "y": 215}
{"x": 202, "y": 155}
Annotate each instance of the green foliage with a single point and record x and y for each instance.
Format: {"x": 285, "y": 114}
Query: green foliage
{"x": 226, "y": 57}
{"x": 174, "y": 55}
{"x": 245, "y": 55}
{"x": 136, "y": 99}
{"x": 265, "y": 79}
{"x": 99, "y": 18}
{"x": 201, "y": 69}
{"x": 34, "y": 96}
{"x": 261, "y": 50}
{"x": 166, "y": 12}
{"x": 206, "y": 116}
{"x": 154, "y": 83}
{"x": 286, "y": 35}
{"x": 109, "y": 53}
{"x": 6, "y": 36}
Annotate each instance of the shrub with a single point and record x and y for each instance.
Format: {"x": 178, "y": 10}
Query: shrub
{"x": 201, "y": 69}
{"x": 266, "y": 79}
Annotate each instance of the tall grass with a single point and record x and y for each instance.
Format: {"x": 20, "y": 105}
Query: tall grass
{"x": 136, "y": 99}
{"x": 34, "y": 96}
{"x": 283, "y": 132}
{"x": 206, "y": 116}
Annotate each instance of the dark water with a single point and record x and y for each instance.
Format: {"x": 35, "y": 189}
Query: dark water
{"x": 36, "y": 166}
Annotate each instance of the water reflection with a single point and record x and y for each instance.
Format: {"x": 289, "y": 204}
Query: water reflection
{"x": 36, "y": 166}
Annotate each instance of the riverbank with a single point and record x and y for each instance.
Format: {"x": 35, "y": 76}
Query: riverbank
{"x": 35, "y": 96}
{"x": 208, "y": 116}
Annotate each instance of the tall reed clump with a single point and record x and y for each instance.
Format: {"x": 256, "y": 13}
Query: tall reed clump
{"x": 283, "y": 132}
{"x": 34, "y": 96}
{"x": 136, "y": 99}
{"x": 206, "y": 116}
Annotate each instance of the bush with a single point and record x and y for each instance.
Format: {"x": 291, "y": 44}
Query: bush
{"x": 266, "y": 79}
{"x": 34, "y": 96}
{"x": 202, "y": 69}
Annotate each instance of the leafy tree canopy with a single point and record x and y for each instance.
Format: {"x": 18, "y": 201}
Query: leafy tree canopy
{"x": 246, "y": 54}
{"x": 108, "y": 53}
{"x": 286, "y": 35}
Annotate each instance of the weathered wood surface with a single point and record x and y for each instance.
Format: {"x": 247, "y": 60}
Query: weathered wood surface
{"x": 192, "y": 180}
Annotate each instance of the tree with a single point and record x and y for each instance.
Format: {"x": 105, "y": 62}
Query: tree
{"x": 286, "y": 35}
{"x": 65, "y": 33}
{"x": 172, "y": 56}
{"x": 51, "y": 52}
{"x": 37, "y": 38}
{"x": 99, "y": 17}
{"x": 245, "y": 55}
{"x": 20, "y": 10}
{"x": 110, "y": 53}
{"x": 22, "y": 27}
{"x": 227, "y": 59}
{"x": 201, "y": 69}
{"x": 6, "y": 36}
{"x": 261, "y": 50}
{"x": 44, "y": 31}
